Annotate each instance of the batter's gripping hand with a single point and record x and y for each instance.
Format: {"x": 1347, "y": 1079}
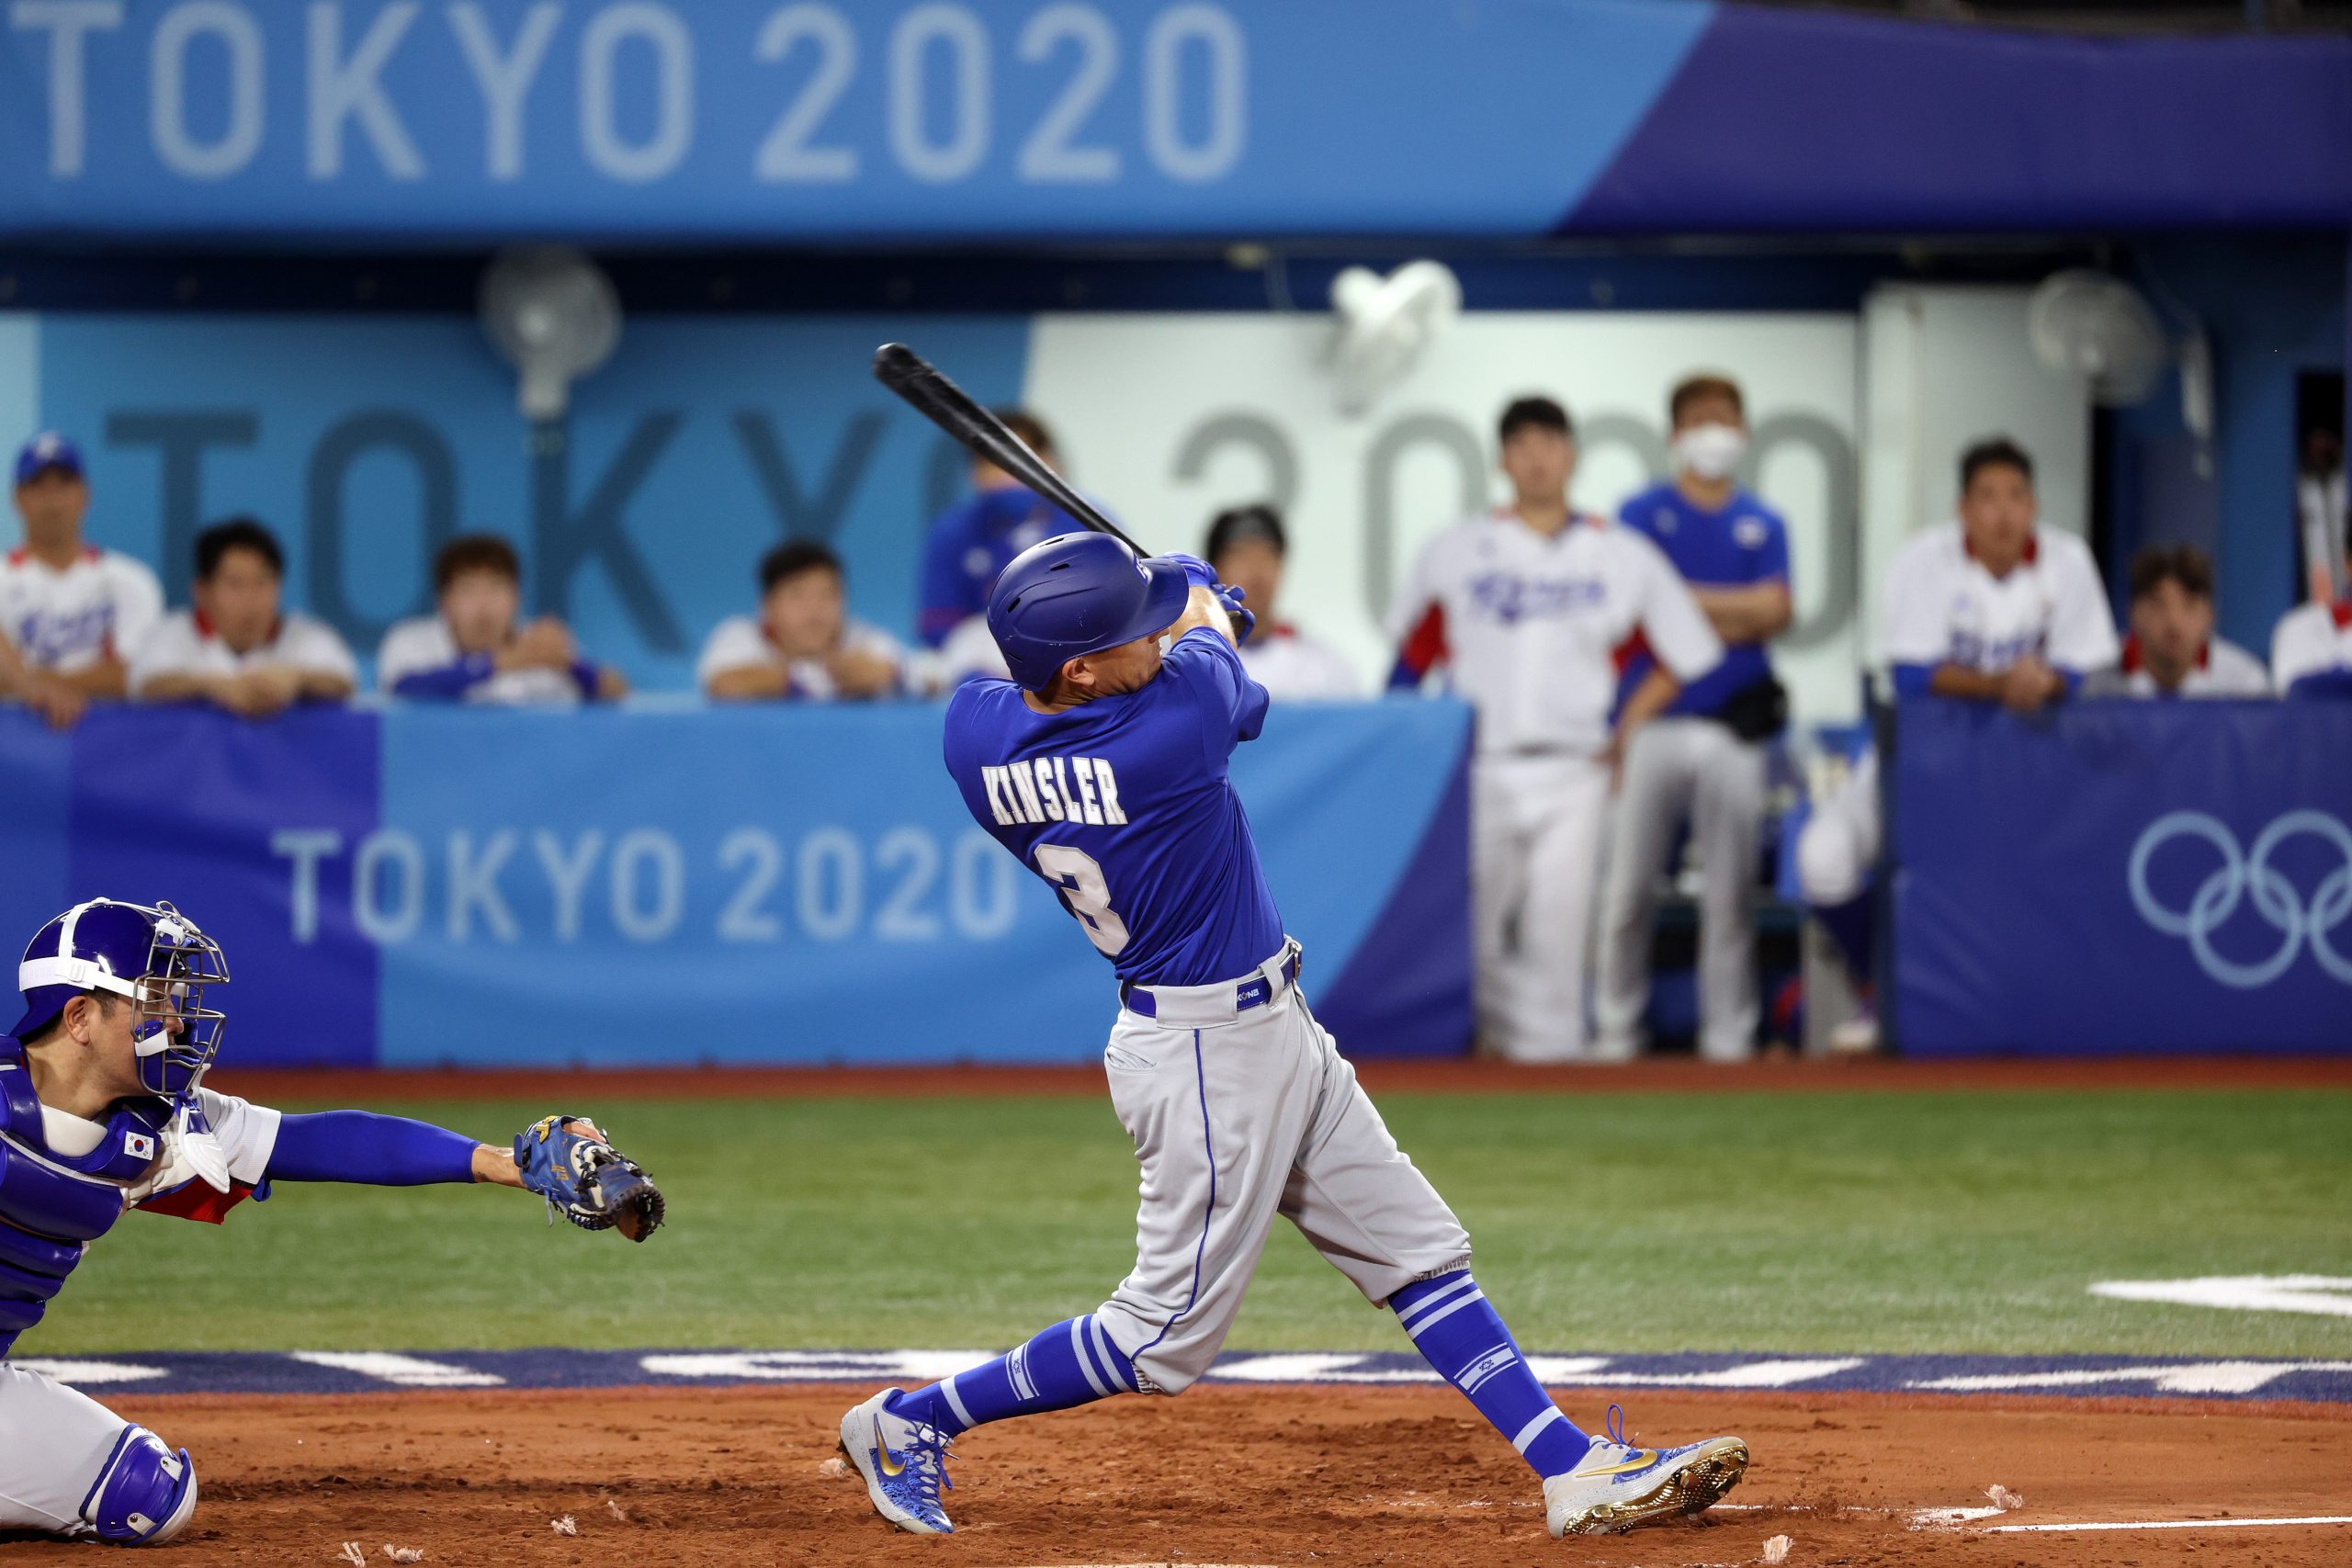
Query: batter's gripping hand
{"x": 1244, "y": 621}
{"x": 1196, "y": 569}
{"x": 565, "y": 1160}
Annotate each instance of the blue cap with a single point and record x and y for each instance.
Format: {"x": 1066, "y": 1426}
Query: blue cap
{"x": 46, "y": 451}
{"x": 1075, "y": 595}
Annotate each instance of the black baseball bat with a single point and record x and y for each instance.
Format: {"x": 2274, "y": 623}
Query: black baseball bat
{"x": 983, "y": 434}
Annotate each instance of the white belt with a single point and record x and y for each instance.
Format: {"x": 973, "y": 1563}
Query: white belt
{"x": 1205, "y": 1007}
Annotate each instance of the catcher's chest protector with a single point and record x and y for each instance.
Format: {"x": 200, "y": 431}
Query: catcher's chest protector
{"x": 52, "y": 1205}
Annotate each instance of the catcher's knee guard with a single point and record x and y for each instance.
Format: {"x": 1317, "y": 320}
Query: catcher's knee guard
{"x": 145, "y": 1494}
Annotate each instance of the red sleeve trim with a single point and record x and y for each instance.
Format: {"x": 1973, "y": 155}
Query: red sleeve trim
{"x": 1633, "y": 648}
{"x": 195, "y": 1201}
{"x": 1423, "y": 651}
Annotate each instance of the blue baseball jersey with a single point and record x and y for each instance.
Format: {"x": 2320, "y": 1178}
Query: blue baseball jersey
{"x": 1123, "y": 807}
{"x": 970, "y": 543}
{"x": 1743, "y": 544}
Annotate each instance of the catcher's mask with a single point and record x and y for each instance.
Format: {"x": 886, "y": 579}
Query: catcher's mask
{"x": 154, "y": 956}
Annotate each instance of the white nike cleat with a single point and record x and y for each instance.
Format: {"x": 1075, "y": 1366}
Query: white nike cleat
{"x": 1617, "y": 1487}
{"x": 903, "y": 1463}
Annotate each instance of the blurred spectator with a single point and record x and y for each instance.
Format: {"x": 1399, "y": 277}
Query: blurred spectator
{"x": 1702, "y": 760}
{"x": 2311, "y": 652}
{"x": 1247, "y": 547}
{"x": 803, "y": 644}
{"x": 972, "y": 541}
{"x": 239, "y": 648}
{"x": 1530, "y": 607}
{"x": 1992, "y": 608}
{"x": 70, "y": 613}
{"x": 2171, "y": 650}
{"x": 1988, "y": 609}
{"x": 473, "y": 650}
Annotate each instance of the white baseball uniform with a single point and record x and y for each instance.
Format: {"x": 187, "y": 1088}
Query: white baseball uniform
{"x": 1533, "y": 629}
{"x": 1943, "y": 607}
{"x": 969, "y": 651}
{"x": 53, "y": 1440}
{"x": 2223, "y": 670}
{"x": 101, "y": 606}
{"x": 1296, "y": 665}
{"x": 2310, "y": 639}
{"x": 185, "y": 643}
{"x": 742, "y": 640}
{"x": 425, "y": 643}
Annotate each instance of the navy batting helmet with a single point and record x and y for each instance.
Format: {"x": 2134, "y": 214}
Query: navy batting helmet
{"x": 156, "y": 957}
{"x": 1078, "y": 594}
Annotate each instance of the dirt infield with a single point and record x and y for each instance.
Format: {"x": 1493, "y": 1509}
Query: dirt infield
{"x": 1275, "y": 1475}
{"x": 1421, "y": 1075}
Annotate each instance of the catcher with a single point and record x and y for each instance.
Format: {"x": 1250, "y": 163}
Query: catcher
{"x": 103, "y": 1110}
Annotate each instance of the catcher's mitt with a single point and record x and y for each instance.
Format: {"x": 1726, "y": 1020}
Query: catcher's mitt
{"x": 568, "y": 1162}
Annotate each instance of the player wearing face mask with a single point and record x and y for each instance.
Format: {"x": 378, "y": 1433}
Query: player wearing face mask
{"x": 1702, "y": 760}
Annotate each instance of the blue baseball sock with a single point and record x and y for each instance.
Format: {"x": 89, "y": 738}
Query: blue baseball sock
{"x": 1073, "y": 1362}
{"x": 1462, "y": 1336}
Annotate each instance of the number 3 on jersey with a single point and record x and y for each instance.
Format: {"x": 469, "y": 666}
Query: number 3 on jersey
{"x": 1080, "y": 878}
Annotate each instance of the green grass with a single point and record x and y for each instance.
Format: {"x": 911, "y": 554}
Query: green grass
{"x": 1833, "y": 1222}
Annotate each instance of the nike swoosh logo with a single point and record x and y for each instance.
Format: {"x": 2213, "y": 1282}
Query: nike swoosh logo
{"x": 1643, "y": 1458}
{"x": 891, "y": 1463}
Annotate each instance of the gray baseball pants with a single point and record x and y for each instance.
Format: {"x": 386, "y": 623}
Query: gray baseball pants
{"x": 1678, "y": 769}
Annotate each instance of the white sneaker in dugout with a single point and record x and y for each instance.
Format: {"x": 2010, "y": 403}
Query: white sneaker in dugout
{"x": 1617, "y": 1487}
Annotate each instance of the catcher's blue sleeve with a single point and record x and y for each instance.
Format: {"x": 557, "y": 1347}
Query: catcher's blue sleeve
{"x": 379, "y": 1151}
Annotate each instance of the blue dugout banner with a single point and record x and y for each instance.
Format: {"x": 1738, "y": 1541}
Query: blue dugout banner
{"x": 424, "y": 885}
{"x": 2122, "y": 876}
{"x": 993, "y": 119}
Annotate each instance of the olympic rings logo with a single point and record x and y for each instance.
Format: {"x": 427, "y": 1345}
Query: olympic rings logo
{"x": 2244, "y": 873}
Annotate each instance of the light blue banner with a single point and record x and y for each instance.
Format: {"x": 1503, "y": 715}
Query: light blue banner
{"x": 742, "y": 117}
{"x": 426, "y": 885}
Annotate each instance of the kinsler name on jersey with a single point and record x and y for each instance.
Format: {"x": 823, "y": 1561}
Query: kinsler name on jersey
{"x": 1054, "y": 789}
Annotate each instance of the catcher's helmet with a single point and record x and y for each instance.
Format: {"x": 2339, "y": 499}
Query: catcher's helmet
{"x": 1078, "y": 594}
{"x": 157, "y": 957}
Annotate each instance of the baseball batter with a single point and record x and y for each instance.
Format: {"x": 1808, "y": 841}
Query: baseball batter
{"x": 103, "y": 1110}
{"x": 1101, "y": 765}
{"x": 1536, "y": 609}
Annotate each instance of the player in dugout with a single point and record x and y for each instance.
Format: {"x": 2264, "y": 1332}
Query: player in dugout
{"x": 2171, "y": 649}
{"x": 103, "y": 1110}
{"x": 1702, "y": 760}
{"x": 1248, "y": 548}
{"x": 70, "y": 613}
{"x": 472, "y": 650}
{"x": 1533, "y": 609}
{"x": 1992, "y": 608}
{"x": 804, "y": 645}
{"x": 970, "y": 544}
{"x": 2310, "y": 649}
{"x": 239, "y": 648}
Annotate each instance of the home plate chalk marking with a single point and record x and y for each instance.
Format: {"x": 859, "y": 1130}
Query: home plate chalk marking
{"x": 2171, "y": 1524}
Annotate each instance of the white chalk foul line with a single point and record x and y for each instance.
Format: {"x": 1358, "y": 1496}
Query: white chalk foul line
{"x": 2169, "y": 1525}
